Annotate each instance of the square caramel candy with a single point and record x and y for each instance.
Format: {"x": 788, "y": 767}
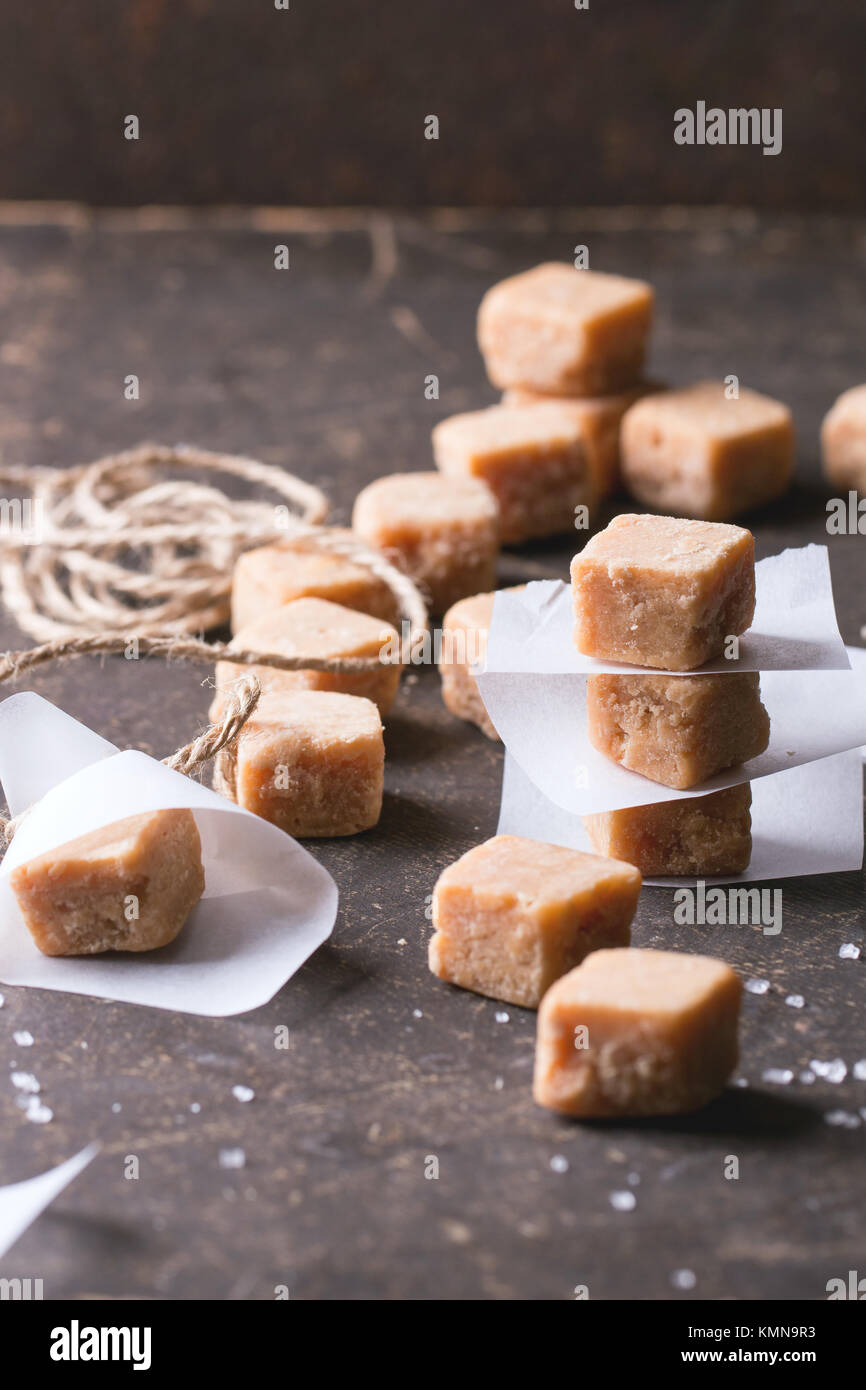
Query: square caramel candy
{"x": 565, "y": 332}
{"x": 512, "y": 915}
{"x": 273, "y": 575}
{"x": 599, "y": 418}
{"x": 127, "y": 887}
{"x": 443, "y": 532}
{"x": 695, "y": 836}
{"x": 314, "y": 627}
{"x": 696, "y": 453}
{"x": 843, "y": 440}
{"x": 535, "y": 460}
{"x": 637, "y": 1033}
{"x": 677, "y": 730}
{"x": 661, "y": 591}
{"x": 311, "y": 762}
{"x": 465, "y": 629}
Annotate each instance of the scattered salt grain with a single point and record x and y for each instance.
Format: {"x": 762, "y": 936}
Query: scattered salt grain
{"x": 633, "y": 1179}
{"x": 842, "y": 1118}
{"x": 834, "y": 1072}
{"x": 741, "y": 1082}
{"x": 795, "y": 1001}
{"x": 25, "y": 1081}
{"x": 778, "y": 1076}
{"x": 559, "y": 1163}
{"x": 38, "y": 1113}
{"x": 757, "y": 986}
{"x": 683, "y": 1279}
{"x": 623, "y": 1201}
{"x": 23, "y": 1039}
{"x": 859, "y": 1069}
{"x": 501, "y": 1016}
{"x": 807, "y": 1078}
{"x": 498, "y": 1083}
{"x": 849, "y": 951}
{"x": 116, "y": 1107}
{"x": 232, "y": 1158}
{"x": 416, "y": 1013}
{"x": 195, "y": 1108}
{"x": 243, "y": 1093}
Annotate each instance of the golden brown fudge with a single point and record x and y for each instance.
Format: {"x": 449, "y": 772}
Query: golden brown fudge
{"x": 443, "y": 532}
{"x": 637, "y": 1033}
{"x": 311, "y": 762}
{"x": 565, "y": 332}
{"x": 677, "y": 730}
{"x": 128, "y": 887}
{"x": 512, "y": 915}
{"x": 843, "y": 440}
{"x": 696, "y": 453}
{"x": 599, "y": 418}
{"x": 272, "y": 575}
{"x": 660, "y": 591}
{"x": 314, "y": 627}
{"x": 465, "y": 628}
{"x": 696, "y": 836}
{"x": 535, "y": 460}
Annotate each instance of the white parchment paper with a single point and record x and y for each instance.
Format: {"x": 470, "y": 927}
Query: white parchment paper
{"x": 22, "y": 1202}
{"x": 267, "y": 903}
{"x": 794, "y": 628}
{"x": 806, "y": 821}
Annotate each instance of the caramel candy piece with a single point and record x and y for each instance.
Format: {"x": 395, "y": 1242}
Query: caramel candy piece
{"x": 534, "y": 459}
{"x": 465, "y": 628}
{"x": 311, "y": 762}
{"x": 660, "y": 591}
{"x": 637, "y": 1033}
{"x": 565, "y": 332}
{"x": 696, "y": 453}
{"x": 697, "y": 836}
{"x": 599, "y": 419}
{"x": 314, "y": 627}
{"x": 273, "y": 575}
{"x": 512, "y": 915}
{"x": 443, "y": 532}
{"x": 677, "y": 730}
{"x": 127, "y": 887}
{"x": 843, "y": 440}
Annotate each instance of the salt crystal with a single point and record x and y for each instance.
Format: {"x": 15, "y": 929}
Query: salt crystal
{"x": 778, "y": 1076}
{"x": 116, "y": 1108}
{"x": 633, "y": 1179}
{"x": 501, "y": 1016}
{"x": 842, "y": 1118}
{"x": 807, "y": 1078}
{"x": 683, "y": 1279}
{"x": 795, "y": 1001}
{"x": 243, "y": 1093}
{"x": 416, "y": 1013}
{"x": 859, "y": 1069}
{"x": 849, "y": 951}
{"x": 623, "y": 1201}
{"x": 232, "y": 1158}
{"x": 25, "y": 1081}
{"x": 23, "y": 1039}
{"x": 38, "y": 1113}
{"x": 498, "y": 1083}
{"x": 740, "y": 1081}
{"x": 834, "y": 1072}
{"x": 195, "y": 1108}
{"x": 757, "y": 986}
{"x": 559, "y": 1163}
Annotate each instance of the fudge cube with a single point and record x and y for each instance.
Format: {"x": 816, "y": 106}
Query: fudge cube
{"x": 534, "y": 459}
{"x": 316, "y": 628}
{"x": 696, "y": 836}
{"x": 637, "y": 1033}
{"x": 512, "y": 915}
{"x": 697, "y": 453}
{"x": 677, "y": 730}
{"x": 664, "y": 592}
{"x": 273, "y": 575}
{"x": 465, "y": 628}
{"x": 311, "y": 762}
{"x": 127, "y": 887}
{"x": 443, "y": 532}
{"x": 843, "y": 440}
{"x": 565, "y": 332}
{"x": 599, "y": 418}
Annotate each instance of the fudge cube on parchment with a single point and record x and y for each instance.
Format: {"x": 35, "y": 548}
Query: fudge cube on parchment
{"x": 677, "y": 730}
{"x": 535, "y": 459}
{"x": 315, "y": 627}
{"x": 311, "y": 762}
{"x": 698, "y": 453}
{"x": 695, "y": 836}
{"x": 127, "y": 887}
{"x": 442, "y": 532}
{"x": 662, "y": 591}
{"x": 465, "y": 629}
{"x": 273, "y": 575}
{"x": 599, "y": 418}
{"x": 512, "y": 915}
{"x": 565, "y": 332}
{"x": 633, "y": 1032}
{"x": 843, "y": 440}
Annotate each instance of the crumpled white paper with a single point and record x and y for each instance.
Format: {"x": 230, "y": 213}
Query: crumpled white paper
{"x": 22, "y": 1202}
{"x": 806, "y": 821}
{"x": 267, "y": 903}
{"x": 794, "y": 627}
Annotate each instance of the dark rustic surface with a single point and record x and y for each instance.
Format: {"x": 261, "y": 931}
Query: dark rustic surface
{"x": 325, "y": 102}
{"x": 322, "y": 369}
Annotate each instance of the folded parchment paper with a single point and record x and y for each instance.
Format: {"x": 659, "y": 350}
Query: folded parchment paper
{"x": 22, "y": 1202}
{"x": 267, "y": 903}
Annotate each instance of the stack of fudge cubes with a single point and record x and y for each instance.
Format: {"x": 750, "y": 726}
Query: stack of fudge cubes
{"x": 669, "y": 594}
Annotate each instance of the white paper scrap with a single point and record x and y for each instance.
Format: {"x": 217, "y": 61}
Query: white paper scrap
{"x": 22, "y": 1202}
